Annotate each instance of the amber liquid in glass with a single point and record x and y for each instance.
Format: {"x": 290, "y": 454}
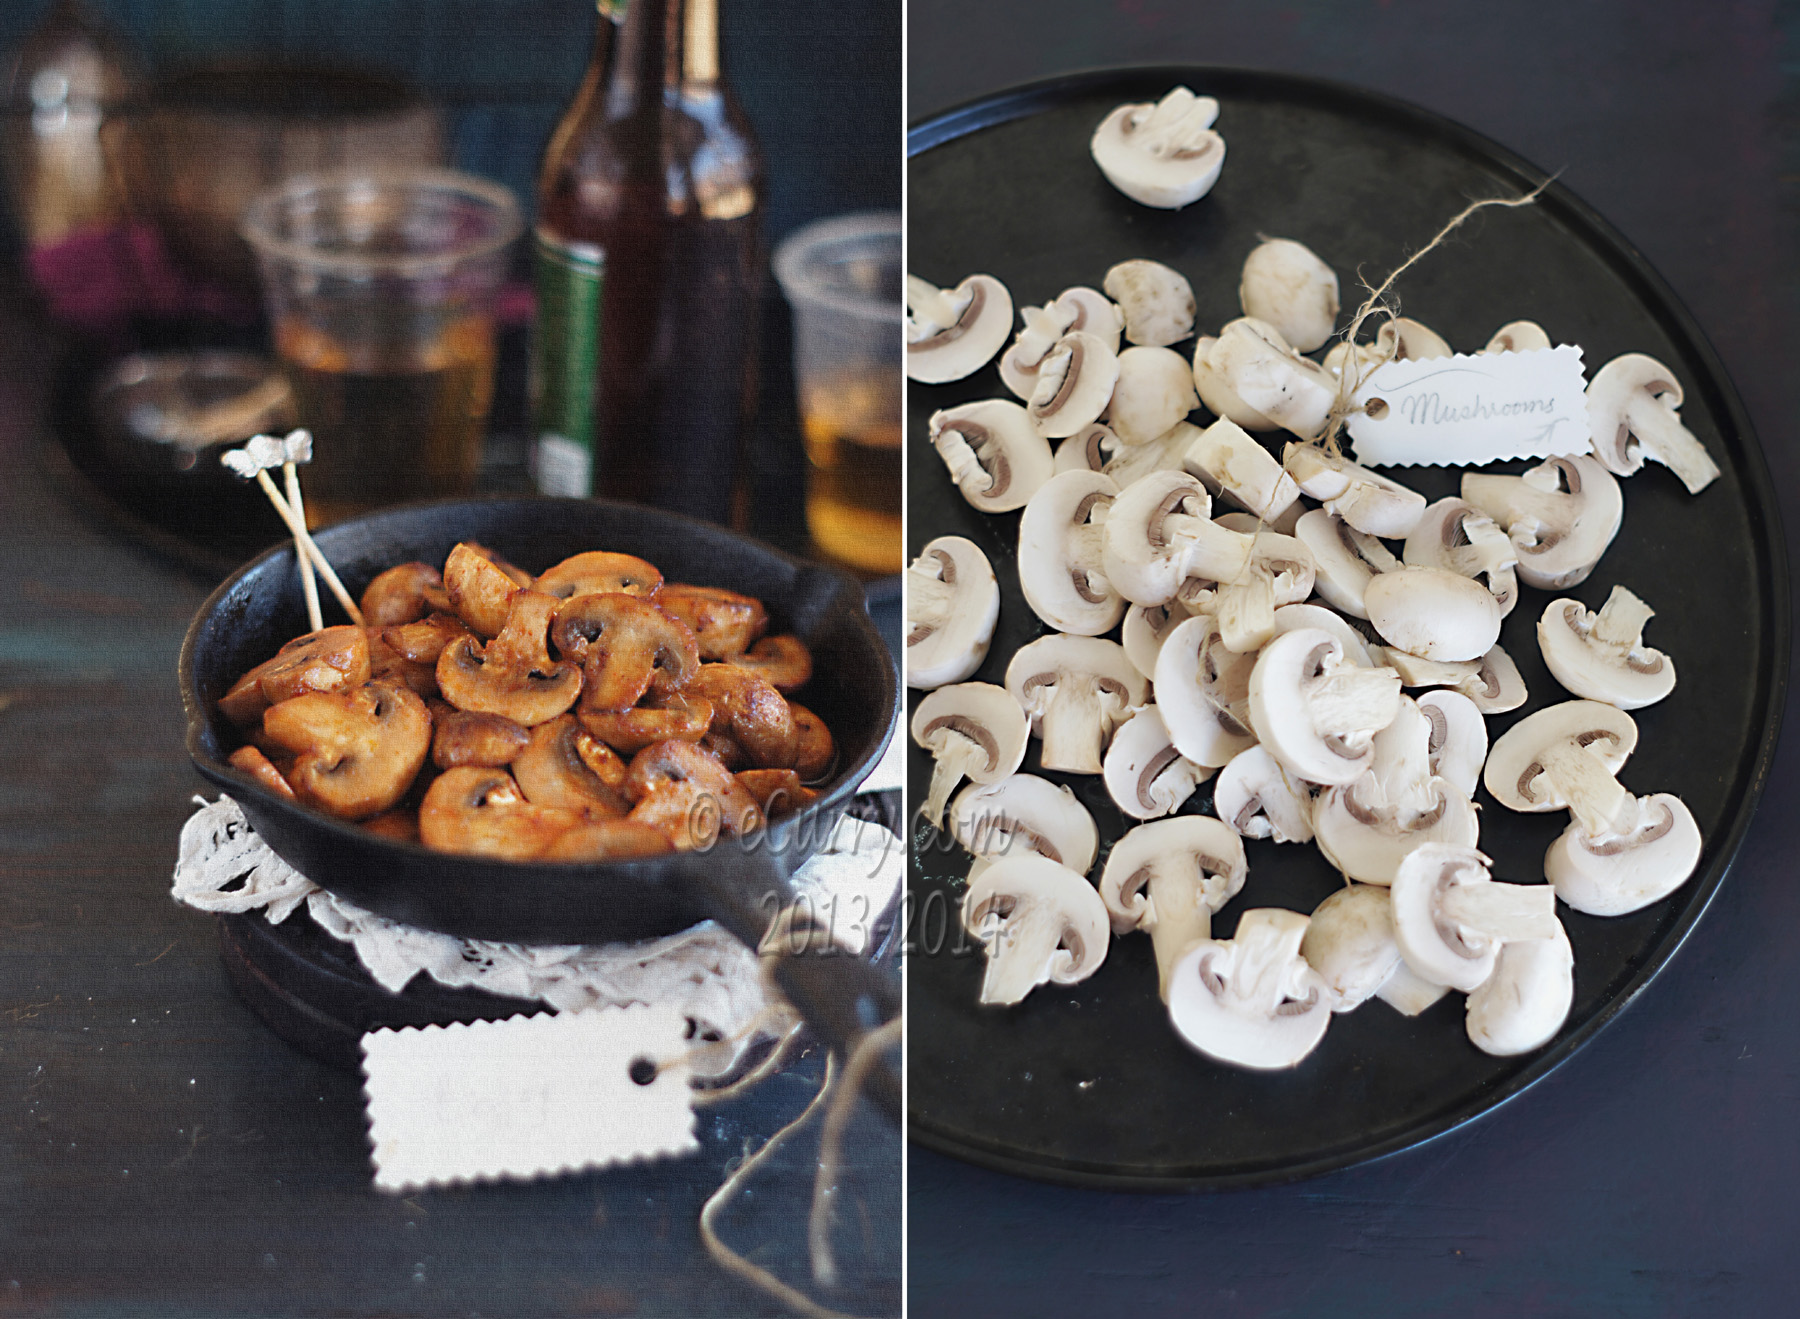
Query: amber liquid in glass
{"x": 852, "y": 430}
{"x": 392, "y": 422}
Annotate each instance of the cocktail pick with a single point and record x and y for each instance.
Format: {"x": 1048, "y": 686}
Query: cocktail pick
{"x": 255, "y": 460}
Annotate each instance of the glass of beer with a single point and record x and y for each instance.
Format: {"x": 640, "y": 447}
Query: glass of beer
{"x": 380, "y": 290}
{"x": 844, "y": 280}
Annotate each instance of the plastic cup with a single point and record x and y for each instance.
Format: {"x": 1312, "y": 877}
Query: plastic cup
{"x": 380, "y": 289}
{"x": 843, "y": 278}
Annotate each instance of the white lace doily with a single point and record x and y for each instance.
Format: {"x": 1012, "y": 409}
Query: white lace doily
{"x": 704, "y": 972}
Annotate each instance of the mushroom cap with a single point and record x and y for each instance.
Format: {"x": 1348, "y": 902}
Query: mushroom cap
{"x": 1215, "y": 390}
{"x": 626, "y": 646}
{"x": 1629, "y": 675}
{"x": 953, "y": 333}
{"x": 1196, "y": 851}
{"x": 1076, "y": 691}
{"x": 783, "y": 661}
{"x": 1344, "y": 560}
{"x": 1286, "y": 284}
{"x": 1251, "y": 1001}
{"x": 404, "y": 593}
{"x": 1458, "y": 743}
{"x": 1228, "y": 460}
{"x": 995, "y": 455}
{"x": 1626, "y": 871}
{"x": 684, "y": 715}
{"x": 689, "y": 795}
{"x": 462, "y": 738}
{"x": 601, "y": 572}
{"x": 1350, "y": 943}
{"x": 1039, "y": 921}
{"x": 1560, "y": 515}
{"x": 1164, "y": 154}
{"x": 1146, "y": 775}
{"x": 1257, "y": 798}
{"x": 985, "y": 715}
{"x": 747, "y": 709}
{"x": 1433, "y": 613}
{"x": 1408, "y": 340}
{"x": 357, "y": 751}
{"x": 1368, "y": 501}
{"x": 1514, "y": 770}
{"x": 1202, "y": 692}
{"x": 1059, "y": 560}
{"x": 952, "y": 604}
{"x": 1156, "y": 302}
{"x": 1265, "y": 373}
{"x": 816, "y": 756}
{"x": 1313, "y": 712}
{"x": 1154, "y": 390}
{"x": 330, "y": 660}
{"x": 1518, "y": 337}
{"x": 724, "y": 623}
{"x": 1146, "y": 628}
{"x": 1457, "y": 537}
{"x": 482, "y": 812}
{"x": 1522, "y": 1005}
{"x": 1075, "y": 381}
{"x": 1289, "y": 618}
{"x": 551, "y": 771}
{"x": 1023, "y": 812}
{"x": 513, "y": 674}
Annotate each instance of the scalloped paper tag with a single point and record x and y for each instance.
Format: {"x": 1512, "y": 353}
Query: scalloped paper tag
{"x": 527, "y": 1097}
{"x": 1469, "y": 410}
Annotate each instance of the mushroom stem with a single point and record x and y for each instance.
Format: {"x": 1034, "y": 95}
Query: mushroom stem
{"x": 1246, "y": 611}
{"x": 1502, "y": 913}
{"x": 1353, "y": 700}
{"x": 1178, "y": 919}
{"x": 928, "y": 596}
{"x": 1659, "y": 430}
{"x": 1621, "y": 619}
{"x": 1073, "y": 729}
{"x": 932, "y": 310}
{"x": 966, "y": 469}
{"x": 1023, "y": 952}
{"x": 1408, "y": 992}
{"x": 1594, "y": 796}
{"x": 957, "y": 758}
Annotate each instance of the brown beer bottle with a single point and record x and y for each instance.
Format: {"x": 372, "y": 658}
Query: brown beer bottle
{"x": 649, "y": 263}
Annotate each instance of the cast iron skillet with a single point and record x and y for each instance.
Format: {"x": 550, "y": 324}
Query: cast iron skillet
{"x": 1088, "y": 1084}
{"x": 854, "y": 690}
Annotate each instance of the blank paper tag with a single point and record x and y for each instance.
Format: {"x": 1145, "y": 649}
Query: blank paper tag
{"x": 1464, "y": 411}
{"x": 527, "y": 1097}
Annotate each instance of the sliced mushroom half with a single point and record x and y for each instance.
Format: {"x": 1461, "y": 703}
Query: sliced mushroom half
{"x": 973, "y": 730}
{"x": 1366, "y": 500}
{"x": 1158, "y": 535}
{"x": 1317, "y": 711}
{"x": 1345, "y": 560}
{"x": 1164, "y": 154}
{"x": 996, "y": 457}
{"x": 1040, "y": 922}
{"x": 1560, "y": 515}
{"x": 1259, "y": 799}
{"x": 1156, "y": 302}
{"x": 1227, "y": 460}
{"x": 1061, "y": 538}
{"x": 1074, "y": 309}
{"x": 952, "y": 604}
{"x": 1203, "y": 692}
{"x": 1154, "y": 390}
{"x": 1457, "y": 537}
{"x": 1633, "y": 405}
{"x": 1433, "y": 613}
{"x": 1024, "y": 813}
{"x": 1146, "y": 628}
{"x": 952, "y": 333}
{"x": 1451, "y": 918}
{"x": 1267, "y": 375}
{"x": 1146, "y": 775}
{"x": 1286, "y": 284}
{"x": 1518, "y": 337}
{"x": 1075, "y": 382}
{"x": 1350, "y": 943}
{"x": 1076, "y": 691}
{"x": 1522, "y": 1005}
{"x": 1648, "y": 851}
{"x": 1458, "y": 741}
{"x": 1252, "y": 1000}
{"x": 1563, "y": 757}
{"x": 1602, "y": 656}
{"x": 1167, "y": 878}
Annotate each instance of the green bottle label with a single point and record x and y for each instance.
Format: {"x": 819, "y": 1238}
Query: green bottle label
{"x": 564, "y": 360}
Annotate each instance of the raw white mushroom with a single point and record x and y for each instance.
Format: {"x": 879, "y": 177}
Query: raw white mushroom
{"x": 1164, "y": 155}
{"x": 1492, "y": 682}
{"x": 1458, "y": 743}
{"x": 1563, "y": 757}
{"x": 1203, "y": 691}
{"x": 1602, "y": 656}
{"x": 1060, "y": 571}
{"x": 973, "y": 730}
{"x": 1432, "y": 613}
{"x": 1356, "y": 646}
{"x": 1646, "y": 852}
{"x": 1459, "y": 538}
{"x": 1023, "y": 813}
{"x": 1350, "y": 943}
{"x": 1366, "y": 500}
{"x": 1263, "y": 372}
{"x": 1040, "y": 923}
{"x": 1344, "y": 559}
{"x": 1403, "y": 339}
{"x": 1146, "y": 776}
{"x": 1286, "y": 284}
{"x": 1154, "y": 390}
{"x": 1074, "y": 382}
{"x": 1317, "y": 711}
{"x": 1561, "y": 515}
{"x": 1146, "y": 628}
{"x": 1156, "y": 302}
{"x": 1158, "y": 535}
{"x": 1252, "y": 1000}
{"x": 1167, "y": 878}
{"x": 1227, "y": 460}
{"x": 1279, "y": 573}
{"x": 1258, "y": 799}
{"x": 995, "y": 455}
{"x": 1095, "y": 448}
{"x": 1076, "y": 690}
{"x": 1074, "y": 309}
{"x": 1217, "y": 394}
{"x": 1518, "y": 337}
{"x": 952, "y": 333}
{"x": 1633, "y": 407}
{"x": 1409, "y": 993}
{"x": 952, "y": 604}
{"x": 1451, "y": 917}
{"x": 1522, "y": 1005}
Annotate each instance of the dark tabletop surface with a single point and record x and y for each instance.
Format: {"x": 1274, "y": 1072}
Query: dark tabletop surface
{"x": 161, "y": 1152}
{"x": 1656, "y": 1172}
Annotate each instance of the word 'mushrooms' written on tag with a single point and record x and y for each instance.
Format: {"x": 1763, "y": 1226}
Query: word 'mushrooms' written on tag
{"x": 1464, "y": 411}
{"x": 528, "y": 1096}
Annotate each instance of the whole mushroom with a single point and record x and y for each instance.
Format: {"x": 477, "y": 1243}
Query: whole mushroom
{"x": 1156, "y": 302}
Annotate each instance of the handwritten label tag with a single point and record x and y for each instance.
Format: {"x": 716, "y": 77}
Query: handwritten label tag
{"x": 1464, "y": 411}
{"x": 528, "y": 1096}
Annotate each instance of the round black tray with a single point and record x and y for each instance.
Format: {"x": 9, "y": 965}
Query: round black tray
{"x": 1088, "y": 1084}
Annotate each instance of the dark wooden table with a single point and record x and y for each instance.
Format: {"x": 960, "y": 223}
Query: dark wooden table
{"x": 1655, "y": 1173}
{"x": 161, "y": 1153}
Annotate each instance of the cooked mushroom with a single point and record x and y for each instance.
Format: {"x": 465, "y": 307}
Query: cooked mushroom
{"x": 952, "y": 333}
{"x": 1059, "y": 559}
{"x": 783, "y": 661}
{"x": 480, "y": 594}
{"x": 685, "y": 716}
{"x": 1350, "y": 943}
{"x": 1317, "y": 711}
{"x": 403, "y": 594}
{"x": 513, "y": 675}
{"x": 1432, "y": 613}
{"x": 778, "y": 791}
{"x": 973, "y": 730}
{"x": 1451, "y": 918}
{"x": 952, "y": 604}
{"x": 1367, "y": 827}
{"x": 1040, "y": 922}
{"x": 1526, "y": 999}
{"x": 750, "y": 712}
{"x": 1262, "y": 370}
{"x": 1645, "y": 853}
{"x": 1158, "y": 534}
{"x": 1023, "y": 813}
{"x": 1251, "y": 1000}
{"x": 1258, "y": 798}
{"x": 1518, "y": 337}
{"x": 1226, "y": 459}
{"x": 1076, "y": 690}
{"x": 551, "y": 771}
{"x": 1563, "y": 757}
{"x": 723, "y": 622}
{"x": 1637, "y": 398}
{"x": 259, "y": 767}
{"x": 1145, "y": 774}
{"x": 601, "y": 572}
{"x": 482, "y": 811}
{"x": 1075, "y": 381}
{"x": 815, "y": 756}
{"x": 996, "y": 457}
{"x": 1163, "y": 155}
{"x": 356, "y": 751}
{"x": 332, "y": 660}
{"x": 1458, "y": 741}
{"x": 460, "y": 737}
{"x": 1602, "y": 656}
{"x": 626, "y": 646}
{"x": 387, "y": 663}
{"x": 1560, "y": 515}
{"x": 1366, "y": 500}
{"x": 1156, "y": 302}
{"x": 1203, "y": 693}
{"x": 689, "y": 795}
{"x": 1153, "y": 391}
{"x": 1456, "y": 537}
{"x": 1344, "y": 559}
{"x": 1167, "y": 878}
{"x": 608, "y": 840}
{"x": 1286, "y": 284}
{"x": 1074, "y": 309}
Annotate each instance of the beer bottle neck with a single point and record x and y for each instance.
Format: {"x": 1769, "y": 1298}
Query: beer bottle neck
{"x": 664, "y": 46}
